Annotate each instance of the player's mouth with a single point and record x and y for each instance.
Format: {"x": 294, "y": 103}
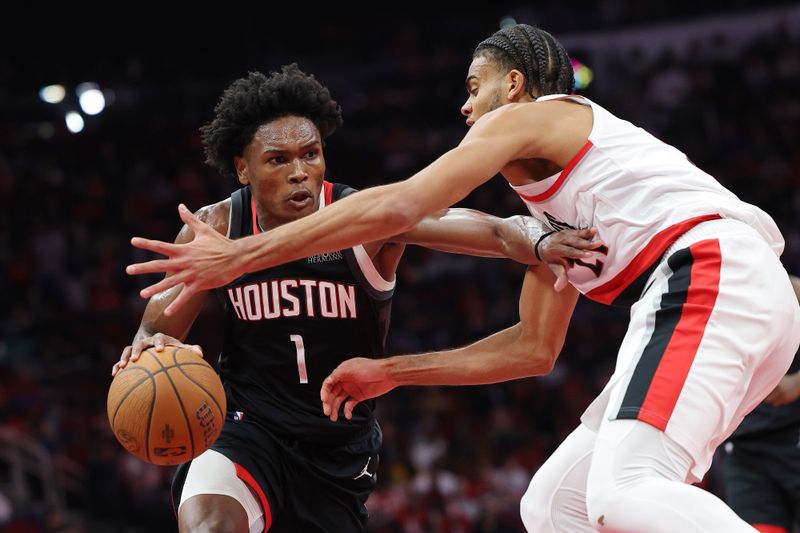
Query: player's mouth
{"x": 470, "y": 122}
{"x": 300, "y": 199}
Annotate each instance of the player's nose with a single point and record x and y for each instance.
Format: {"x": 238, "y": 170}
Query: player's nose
{"x": 466, "y": 109}
{"x": 298, "y": 172}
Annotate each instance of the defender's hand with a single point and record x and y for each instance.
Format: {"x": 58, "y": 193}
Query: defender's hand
{"x": 353, "y": 381}
{"x": 560, "y": 249}
{"x": 207, "y": 262}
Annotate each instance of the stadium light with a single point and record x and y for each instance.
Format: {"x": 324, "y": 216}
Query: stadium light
{"x": 52, "y": 94}
{"x": 91, "y": 98}
{"x": 74, "y": 121}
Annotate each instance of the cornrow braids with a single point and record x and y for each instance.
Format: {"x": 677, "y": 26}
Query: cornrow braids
{"x": 538, "y": 55}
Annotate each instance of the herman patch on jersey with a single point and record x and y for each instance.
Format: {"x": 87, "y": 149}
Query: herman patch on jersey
{"x": 293, "y": 297}
{"x": 322, "y": 258}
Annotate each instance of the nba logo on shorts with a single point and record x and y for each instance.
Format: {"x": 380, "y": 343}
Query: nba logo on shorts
{"x": 238, "y": 416}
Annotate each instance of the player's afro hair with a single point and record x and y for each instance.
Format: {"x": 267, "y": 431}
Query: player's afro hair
{"x": 256, "y": 99}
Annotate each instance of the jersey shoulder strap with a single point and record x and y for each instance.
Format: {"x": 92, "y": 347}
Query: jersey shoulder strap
{"x": 239, "y": 225}
{"x": 340, "y": 190}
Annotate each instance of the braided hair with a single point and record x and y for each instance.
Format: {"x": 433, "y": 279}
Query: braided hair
{"x": 257, "y": 99}
{"x": 534, "y": 52}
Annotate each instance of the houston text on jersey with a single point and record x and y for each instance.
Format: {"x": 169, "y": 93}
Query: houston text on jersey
{"x": 293, "y": 297}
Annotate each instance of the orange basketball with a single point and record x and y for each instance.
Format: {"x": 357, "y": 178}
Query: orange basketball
{"x": 168, "y": 407}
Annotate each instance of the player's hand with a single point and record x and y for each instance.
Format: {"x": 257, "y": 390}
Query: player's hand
{"x": 560, "y": 249}
{"x": 158, "y": 341}
{"x": 353, "y": 381}
{"x": 207, "y": 262}
{"x": 787, "y": 391}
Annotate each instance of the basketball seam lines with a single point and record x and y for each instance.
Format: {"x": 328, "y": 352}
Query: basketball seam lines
{"x": 179, "y": 365}
{"x": 180, "y": 403}
{"x": 149, "y": 415}
{"x": 130, "y": 391}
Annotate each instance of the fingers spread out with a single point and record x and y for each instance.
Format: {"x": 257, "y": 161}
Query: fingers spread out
{"x": 161, "y": 286}
{"x": 183, "y": 297}
{"x": 160, "y": 247}
{"x": 150, "y": 267}
{"x": 190, "y": 219}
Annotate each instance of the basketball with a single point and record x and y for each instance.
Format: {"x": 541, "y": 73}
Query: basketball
{"x": 168, "y": 407}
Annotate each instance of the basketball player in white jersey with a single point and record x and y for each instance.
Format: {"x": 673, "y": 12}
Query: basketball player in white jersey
{"x": 713, "y": 327}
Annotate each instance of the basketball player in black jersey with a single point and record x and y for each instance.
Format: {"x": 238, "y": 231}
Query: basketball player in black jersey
{"x": 762, "y": 468}
{"x": 280, "y": 463}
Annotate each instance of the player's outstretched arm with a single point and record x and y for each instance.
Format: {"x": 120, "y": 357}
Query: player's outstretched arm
{"x": 529, "y": 348}
{"x": 374, "y": 214}
{"x": 521, "y": 238}
{"x": 471, "y": 232}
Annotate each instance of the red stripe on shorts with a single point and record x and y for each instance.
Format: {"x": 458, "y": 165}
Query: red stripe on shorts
{"x": 766, "y": 528}
{"x": 680, "y": 352}
{"x": 244, "y": 475}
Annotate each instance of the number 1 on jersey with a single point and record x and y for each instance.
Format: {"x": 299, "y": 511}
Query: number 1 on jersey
{"x": 301, "y": 357}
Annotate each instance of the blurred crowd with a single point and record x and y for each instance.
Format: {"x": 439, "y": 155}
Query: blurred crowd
{"x": 454, "y": 459}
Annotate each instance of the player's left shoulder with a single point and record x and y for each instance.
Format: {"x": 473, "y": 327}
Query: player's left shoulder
{"x": 216, "y": 215}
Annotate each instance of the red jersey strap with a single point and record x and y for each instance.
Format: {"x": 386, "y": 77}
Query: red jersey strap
{"x": 327, "y": 190}
{"x": 561, "y": 178}
{"x": 254, "y": 213}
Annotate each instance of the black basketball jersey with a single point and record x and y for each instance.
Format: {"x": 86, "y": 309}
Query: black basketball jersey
{"x": 288, "y": 327}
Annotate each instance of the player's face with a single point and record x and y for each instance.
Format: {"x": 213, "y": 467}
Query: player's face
{"x": 485, "y": 84}
{"x": 284, "y": 166}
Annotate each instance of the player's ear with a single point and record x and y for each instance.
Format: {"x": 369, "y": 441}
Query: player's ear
{"x": 241, "y": 170}
{"x": 515, "y": 83}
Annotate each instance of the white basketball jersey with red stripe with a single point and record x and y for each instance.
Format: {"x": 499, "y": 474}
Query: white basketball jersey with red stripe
{"x": 641, "y": 194}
